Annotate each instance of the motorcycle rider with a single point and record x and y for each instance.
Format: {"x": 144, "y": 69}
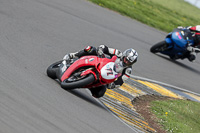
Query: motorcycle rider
{"x": 123, "y": 64}
{"x": 195, "y": 30}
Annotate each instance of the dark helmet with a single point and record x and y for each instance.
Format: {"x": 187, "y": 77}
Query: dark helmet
{"x": 129, "y": 57}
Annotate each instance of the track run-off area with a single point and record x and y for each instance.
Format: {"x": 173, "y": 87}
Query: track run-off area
{"x": 36, "y": 33}
{"x": 121, "y": 100}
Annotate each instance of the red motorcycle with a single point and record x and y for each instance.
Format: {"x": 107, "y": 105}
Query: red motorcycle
{"x": 85, "y": 72}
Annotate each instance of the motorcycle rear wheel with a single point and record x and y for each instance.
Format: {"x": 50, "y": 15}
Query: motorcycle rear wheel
{"x": 159, "y": 47}
{"x": 79, "y": 83}
{"x": 51, "y": 70}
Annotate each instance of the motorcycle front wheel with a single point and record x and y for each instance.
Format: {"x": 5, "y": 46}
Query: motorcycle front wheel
{"x": 77, "y": 81}
{"x": 51, "y": 70}
{"x": 159, "y": 47}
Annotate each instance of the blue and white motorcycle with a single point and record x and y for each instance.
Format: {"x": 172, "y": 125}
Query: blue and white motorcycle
{"x": 175, "y": 44}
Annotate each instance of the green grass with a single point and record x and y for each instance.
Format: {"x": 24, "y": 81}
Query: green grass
{"x": 161, "y": 14}
{"x": 178, "y": 116}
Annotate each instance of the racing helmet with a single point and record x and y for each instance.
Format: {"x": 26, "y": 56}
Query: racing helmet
{"x": 129, "y": 57}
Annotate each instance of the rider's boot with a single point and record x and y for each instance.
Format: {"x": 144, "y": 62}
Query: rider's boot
{"x": 69, "y": 56}
{"x": 192, "y": 56}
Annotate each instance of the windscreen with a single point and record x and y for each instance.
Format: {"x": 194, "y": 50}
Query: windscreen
{"x": 187, "y": 35}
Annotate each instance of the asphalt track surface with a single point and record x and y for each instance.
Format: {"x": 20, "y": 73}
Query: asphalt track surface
{"x": 36, "y": 33}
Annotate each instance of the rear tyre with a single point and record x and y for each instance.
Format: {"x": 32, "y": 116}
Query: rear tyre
{"x": 79, "y": 82}
{"x": 159, "y": 47}
{"x": 51, "y": 70}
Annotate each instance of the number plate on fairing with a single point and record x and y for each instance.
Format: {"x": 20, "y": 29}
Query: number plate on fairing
{"x": 107, "y": 71}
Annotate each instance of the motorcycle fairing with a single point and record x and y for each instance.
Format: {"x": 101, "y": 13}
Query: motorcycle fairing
{"x": 108, "y": 73}
{"x": 93, "y": 61}
{"x": 179, "y": 40}
{"x": 83, "y": 61}
{"x": 168, "y": 39}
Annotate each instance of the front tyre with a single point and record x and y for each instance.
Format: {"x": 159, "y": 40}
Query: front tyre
{"x": 77, "y": 82}
{"x": 51, "y": 70}
{"x": 159, "y": 47}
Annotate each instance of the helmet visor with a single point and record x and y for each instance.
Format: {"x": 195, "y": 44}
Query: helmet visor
{"x": 127, "y": 62}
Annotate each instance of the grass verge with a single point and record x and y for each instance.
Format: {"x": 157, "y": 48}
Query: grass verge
{"x": 161, "y": 14}
{"x": 178, "y": 116}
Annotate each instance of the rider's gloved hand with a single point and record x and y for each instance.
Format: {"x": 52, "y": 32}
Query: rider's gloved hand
{"x": 127, "y": 74}
{"x": 99, "y": 51}
{"x": 111, "y": 85}
{"x": 118, "y": 53}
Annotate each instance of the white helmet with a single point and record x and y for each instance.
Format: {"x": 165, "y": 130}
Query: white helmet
{"x": 129, "y": 57}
